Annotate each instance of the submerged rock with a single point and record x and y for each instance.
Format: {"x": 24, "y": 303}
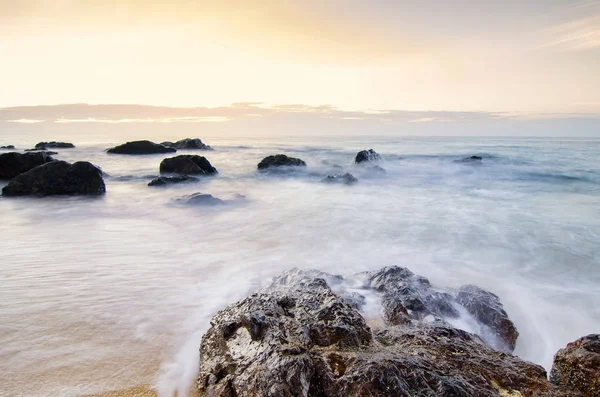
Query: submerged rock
{"x": 188, "y": 144}
{"x": 346, "y": 178}
{"x": 470, "y": 160}
{"x": 169, "y": 180}
{"x": 202, "y": 199}
{"x": 187, "y": 164}
{"x": 280, "y": 160}
{"x": 140, "y": 147}
{"x": 577, "y": 366}
{"x": 8, "y": 147}
{"x": 54, "y": 145}
{"x": 376, "y": 170}
{"x": 298, "y": 337}
{"x": 13, "y": 164}
{"x": 58, "y": 178}
{"x": 367, "y": 156}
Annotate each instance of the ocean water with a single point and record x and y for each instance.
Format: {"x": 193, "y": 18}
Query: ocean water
{"x": 106, "y": 293}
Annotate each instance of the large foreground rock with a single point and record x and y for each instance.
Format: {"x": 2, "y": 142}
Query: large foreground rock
{"x": 13, "y": 164}
{"x": 577, "y": 366}
{"x": 140, "y": 147}
{"x": 367, "y": 156}
{"x": 280, "y": 160}
{"x": 58, "y": 178}
{"x": 304, "y": 335}
{"x": 54, "y": 145}
{"x": 188, "y": 165}
{"x": 188, "y": 144}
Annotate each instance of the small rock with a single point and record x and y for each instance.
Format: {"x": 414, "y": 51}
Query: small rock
{"x": 577, "y": 366}
{"x": 169, "y": 180}
{"x": 188, "y": 144}
{"x": 367, "y": 156}
{"x": 13, "y": 164}
{"x": 54, "y": 145}
{"x": 58, "y": 178}
{"x": 140, "y": 147}
{"x": 280, "y": 160}
{"x": 346, "y": 178}
{"x": 188, "y": 165}
{"x": 8, "y": 147}
{"x": 470, "y": 160}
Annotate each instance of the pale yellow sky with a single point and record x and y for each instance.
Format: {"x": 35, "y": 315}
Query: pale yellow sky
{"x": 518, "y": 56}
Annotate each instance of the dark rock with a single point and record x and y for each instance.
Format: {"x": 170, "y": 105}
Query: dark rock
{"x": 367, "y": 156}
{"x": 169, "y": 180}
{"x": 346, "y": 178}
{"x": 297, "y": 337}
{"x": 202, "y": 199}
{"x": 486, "y": 308}
{"x": 13, "y": 164}
{"x": 188, "y": 144}
{"x": 58, "y": 178}
{"x": 280, "y": 160}
{"x": 167, "y": 143}
{"x": 48, "y": 152}
{"x": 54, "y": 145}
{"x": 140, "y": 147}
{"x": 409, "y": 297}
{"x": 187, "y": 164}
{"x": 8, "y": 147}
{"x": 577, "y": 366}
{"x": 471, "y": 160}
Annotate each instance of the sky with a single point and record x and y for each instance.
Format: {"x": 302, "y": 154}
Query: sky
{"x": 511, "y": 57}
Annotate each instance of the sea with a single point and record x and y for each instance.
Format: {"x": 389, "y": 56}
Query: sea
{"x": 106, "y": 293}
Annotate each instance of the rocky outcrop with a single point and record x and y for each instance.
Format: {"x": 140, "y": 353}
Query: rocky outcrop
{"x": 48, "y": 152}
{"x": 304, "y": 336}
{"x": 280, "y": 160}
{"x": 188, "y": 165}
{"x": 58, "y": 178}
{"x": 347, "y": 179}
{"x": 140, "y": 147}
{"x": 54, "y": 145}
{"x": 486, "y": 308}
{"x": 366, "y": 156}
{"x": 170, "y": 180}
{"x": 188, "y": 144}
{"x": 577, "y": 366}
{"x": 7, "y": 147}
{"x": 13, "y": 164}
{"x": 470, "y": 160}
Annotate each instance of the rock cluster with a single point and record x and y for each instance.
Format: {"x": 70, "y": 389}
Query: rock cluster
{"x": 53, "y": 145}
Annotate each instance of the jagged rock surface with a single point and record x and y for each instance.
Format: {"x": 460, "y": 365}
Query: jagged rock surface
{"x": 304, "y": 336}
{"x": 577, "y": 366}
{"x": 367, "y": 156}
